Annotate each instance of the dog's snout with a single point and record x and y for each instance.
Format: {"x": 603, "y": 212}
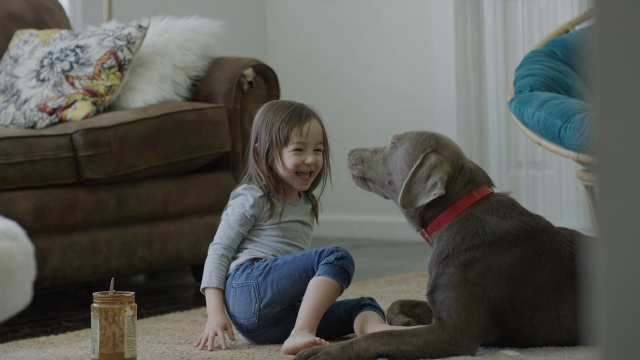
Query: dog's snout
{"x": 352, "y": 158}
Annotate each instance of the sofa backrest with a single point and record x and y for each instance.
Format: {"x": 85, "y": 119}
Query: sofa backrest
{"x": 34, "y": 14}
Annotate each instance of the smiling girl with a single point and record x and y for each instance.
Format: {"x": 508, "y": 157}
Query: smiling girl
{"x": 260, "y": 274}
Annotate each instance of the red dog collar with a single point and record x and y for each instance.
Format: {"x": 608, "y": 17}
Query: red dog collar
{"x": 454, "y": 210}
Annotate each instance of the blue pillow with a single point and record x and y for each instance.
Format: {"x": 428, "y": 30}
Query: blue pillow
{"x": 551, "y": 96}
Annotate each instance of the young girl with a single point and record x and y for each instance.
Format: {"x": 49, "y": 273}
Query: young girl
{"x": 259, "y": 267}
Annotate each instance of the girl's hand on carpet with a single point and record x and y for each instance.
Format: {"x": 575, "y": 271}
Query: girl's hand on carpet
{"x": 217, "y": 325}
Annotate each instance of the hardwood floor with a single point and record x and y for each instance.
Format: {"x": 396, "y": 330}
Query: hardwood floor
{"x": 66, "y": 309}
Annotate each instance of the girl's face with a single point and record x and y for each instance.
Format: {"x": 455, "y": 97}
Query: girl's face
{"x": 301, "y": 160}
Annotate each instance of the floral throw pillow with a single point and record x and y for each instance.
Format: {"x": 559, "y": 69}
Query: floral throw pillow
{"x": 49, "y": 76}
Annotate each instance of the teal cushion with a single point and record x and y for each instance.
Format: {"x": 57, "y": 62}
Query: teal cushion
{"x": 551, "y": 96}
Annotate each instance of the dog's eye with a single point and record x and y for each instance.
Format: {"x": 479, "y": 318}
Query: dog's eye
{"x": 390, "y": 183}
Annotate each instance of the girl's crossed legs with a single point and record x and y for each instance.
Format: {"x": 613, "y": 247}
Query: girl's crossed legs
{"x": 292, "y": 300}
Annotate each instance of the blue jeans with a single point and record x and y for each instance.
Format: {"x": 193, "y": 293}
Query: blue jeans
{"x": 263, "y": 296}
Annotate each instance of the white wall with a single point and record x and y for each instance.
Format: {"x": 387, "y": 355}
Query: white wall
{"x": 371, "y": 68}
{"x": 245, "y": 20}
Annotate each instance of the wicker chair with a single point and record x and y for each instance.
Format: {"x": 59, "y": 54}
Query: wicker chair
{"x": 586, "y": 175}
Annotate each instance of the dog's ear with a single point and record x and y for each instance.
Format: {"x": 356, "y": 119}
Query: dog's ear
{"x": 425, "y": 182}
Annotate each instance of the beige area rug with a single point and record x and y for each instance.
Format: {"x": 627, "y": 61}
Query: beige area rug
{"x": 172, "y": 336}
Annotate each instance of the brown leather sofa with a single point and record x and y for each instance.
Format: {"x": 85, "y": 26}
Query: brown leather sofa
{"x": 133, "y": 191}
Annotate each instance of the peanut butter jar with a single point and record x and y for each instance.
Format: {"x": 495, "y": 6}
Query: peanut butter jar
{"x": 113, "y": 325}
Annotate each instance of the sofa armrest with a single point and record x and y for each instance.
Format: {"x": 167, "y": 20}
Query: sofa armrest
{"x": 242, "y": 85}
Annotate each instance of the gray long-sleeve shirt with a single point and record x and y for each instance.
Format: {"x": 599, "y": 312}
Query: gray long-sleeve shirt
{"x": 243, "y": 235}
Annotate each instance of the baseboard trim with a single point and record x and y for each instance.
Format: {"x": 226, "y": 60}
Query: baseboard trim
{"x": 364, "y": 227}
{"x": 374, "y": 227}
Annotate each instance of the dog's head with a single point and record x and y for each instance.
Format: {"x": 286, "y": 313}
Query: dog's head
{"x": 411, "y": 170}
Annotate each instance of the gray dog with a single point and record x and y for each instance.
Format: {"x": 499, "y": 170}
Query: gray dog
{"x": 499, "y": 275}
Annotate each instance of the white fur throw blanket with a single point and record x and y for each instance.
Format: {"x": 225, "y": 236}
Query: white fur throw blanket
{"x": 17, "y": 268}
{"x": 175, "y": 53}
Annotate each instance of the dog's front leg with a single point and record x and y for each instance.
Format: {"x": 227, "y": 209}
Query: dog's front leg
{"x": 422, "y": 342}
{"x": 409, "y": 313}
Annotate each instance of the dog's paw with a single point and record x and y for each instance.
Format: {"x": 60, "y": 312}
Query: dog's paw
{"x": 409, "y": 313}
{"x": 340, "y": 351}
{"x": 401, "y": 320}
{"x": 307, "y": 354}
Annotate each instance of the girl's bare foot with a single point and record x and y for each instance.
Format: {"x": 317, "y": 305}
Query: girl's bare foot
{"x": 298, "y": 341}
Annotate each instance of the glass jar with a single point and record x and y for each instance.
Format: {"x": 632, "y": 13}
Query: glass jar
{"x": 113, "y": 325}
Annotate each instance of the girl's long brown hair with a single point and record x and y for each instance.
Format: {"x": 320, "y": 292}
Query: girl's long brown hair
{"x": 270, "y": 132}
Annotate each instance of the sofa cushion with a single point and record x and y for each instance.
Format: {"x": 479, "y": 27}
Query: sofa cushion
{"x": 83, "y": 207}
{"x": 164, "y": 139}
{"x": 54, "y": 75}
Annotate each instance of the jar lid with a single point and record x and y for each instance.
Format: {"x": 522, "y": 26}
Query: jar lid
{"x": 115, "y": 295}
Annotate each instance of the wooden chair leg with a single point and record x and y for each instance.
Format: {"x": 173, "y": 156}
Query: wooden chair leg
{"x": 588, "y": 178}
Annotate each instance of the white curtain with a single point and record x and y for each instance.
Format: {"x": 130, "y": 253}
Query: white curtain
{"x": 492, "y": 36}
